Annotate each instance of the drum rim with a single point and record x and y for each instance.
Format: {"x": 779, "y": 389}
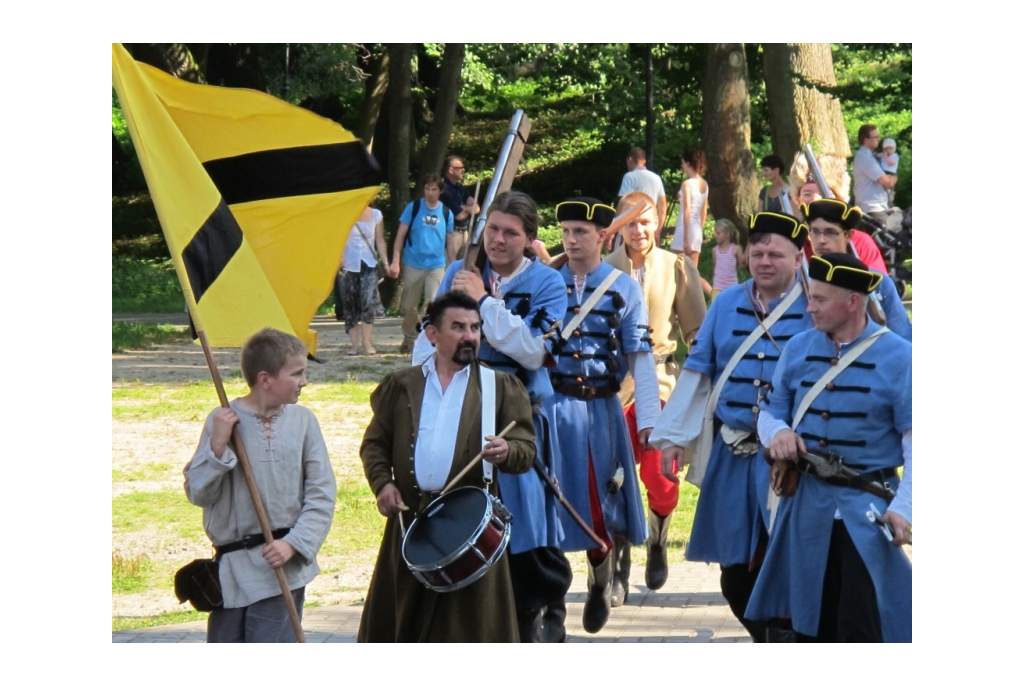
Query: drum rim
{"x": 475, "y": 575}
{"x": 489, "y": 515}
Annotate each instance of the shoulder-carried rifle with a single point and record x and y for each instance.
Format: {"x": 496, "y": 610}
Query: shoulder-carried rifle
{"x": 874, "y": 309}
{"x": 504, "y": 172}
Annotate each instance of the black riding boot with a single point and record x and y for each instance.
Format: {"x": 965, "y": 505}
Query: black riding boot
{"x": 620, "y": 582}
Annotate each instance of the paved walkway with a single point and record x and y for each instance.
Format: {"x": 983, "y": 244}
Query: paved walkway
{"x": 690, "y": 608}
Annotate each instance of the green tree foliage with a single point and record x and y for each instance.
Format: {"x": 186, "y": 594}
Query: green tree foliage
{"x": 586, "y": 102}
{"x": 876, "y": 87}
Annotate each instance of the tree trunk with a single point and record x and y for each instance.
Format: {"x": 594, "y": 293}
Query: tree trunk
{"x": 376, "y": 87}
{"x": 732, "y": 174}
{"x": 649, "y": 103}
{"x": 120, "y": 165}
{"x": 236, "y": 65}
{"x": 399, "y": 108}
{"x": 448, "y": 91}
{"x": 174, "y": 58}
{"x": 797, "y": 78}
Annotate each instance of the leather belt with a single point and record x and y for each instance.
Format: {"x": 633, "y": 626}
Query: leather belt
{"x": 250, "y": 541}
{"x": 462, "y": 229}
{"x": 584, "y": 392}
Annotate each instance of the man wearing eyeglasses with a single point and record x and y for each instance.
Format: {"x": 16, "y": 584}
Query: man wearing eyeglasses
{"x": 871, "y": 185}
{"x": 463, "y": 207}
{"x": 831, "y": 223}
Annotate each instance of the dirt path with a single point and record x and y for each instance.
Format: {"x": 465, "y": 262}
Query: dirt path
{"x": 181, "y": 363}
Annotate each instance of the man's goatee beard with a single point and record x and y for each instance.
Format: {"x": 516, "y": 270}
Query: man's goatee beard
{"x": 464, "y": 356}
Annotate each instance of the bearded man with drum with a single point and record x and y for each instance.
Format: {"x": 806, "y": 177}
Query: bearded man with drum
{"x": 426, "y": 427}
{"x": 520, "y": 299}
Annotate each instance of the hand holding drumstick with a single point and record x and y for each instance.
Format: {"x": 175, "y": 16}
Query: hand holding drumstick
{"x": 495, "y": 451}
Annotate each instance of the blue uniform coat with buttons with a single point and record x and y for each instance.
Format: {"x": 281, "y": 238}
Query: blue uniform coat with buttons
{"x": 593, "y": 432}
{"x": 734, "y": 495}
{"x": 861, "y": 417}
{"x": 535, "y": 296}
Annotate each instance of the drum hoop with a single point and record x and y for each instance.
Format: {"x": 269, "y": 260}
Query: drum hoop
{"x": 475, "y": 575}
{"x": 489, "y": 516}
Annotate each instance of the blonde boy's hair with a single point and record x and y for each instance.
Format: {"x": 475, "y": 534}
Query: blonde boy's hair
{"x": 268, "y": 350}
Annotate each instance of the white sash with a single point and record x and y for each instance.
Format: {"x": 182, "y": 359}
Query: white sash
{"x": 701, "y": 450}
{"x": 590, "y": 303}
{"x": 487, "y": 409}
{"x": 805, "y": 404}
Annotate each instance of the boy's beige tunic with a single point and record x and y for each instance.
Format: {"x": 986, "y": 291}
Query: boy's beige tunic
{"x": 682, "y": 302}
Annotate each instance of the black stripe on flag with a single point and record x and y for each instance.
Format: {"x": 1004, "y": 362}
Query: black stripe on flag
{"x": 294, "y": 171}
{"x": 210, "y": 249}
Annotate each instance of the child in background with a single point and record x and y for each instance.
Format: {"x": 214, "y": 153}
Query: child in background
{"x": 889, "y": 161}
{"x": 726, "y": 256}
{"x": 290, "y": 465}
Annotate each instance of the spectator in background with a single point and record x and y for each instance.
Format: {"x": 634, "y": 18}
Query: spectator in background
{"x": 727, "y": 256}
{"x": 457, "y": 199}
{"x": 358, "y": 278}
{"x": 693, "y": 206}
{"x": 871, "y": 185}
{"x": 889, "y": 161}
{"x": 424, "y": 231}
{"x": 640, "y": 178}
{"x": 774, "y": 197}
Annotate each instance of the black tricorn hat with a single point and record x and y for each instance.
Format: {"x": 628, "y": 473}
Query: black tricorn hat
{"x": 843, "y": 270}
{"x": 833, "y": 211}
{"x": 585, "y": 209}
{"x": 787, "y": 226}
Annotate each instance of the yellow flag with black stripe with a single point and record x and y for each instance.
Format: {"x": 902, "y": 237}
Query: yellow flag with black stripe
{"x": 255, "y": 197}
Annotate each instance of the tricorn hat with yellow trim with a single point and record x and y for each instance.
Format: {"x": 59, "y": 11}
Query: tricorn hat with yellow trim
{"x": 780, "y": 224}
{"x": 585, "y": 209}
{"x": 843, "y": 270}
{"x": 833, "y": 211}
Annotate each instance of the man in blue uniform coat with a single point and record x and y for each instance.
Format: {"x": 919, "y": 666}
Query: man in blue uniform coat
{"x": 830, "y": 222}
{"x": 520, "y": 301}
{"x": 726, "y": 374}
{"x": 829, "y": 565}
{"x": 605, "y": 336}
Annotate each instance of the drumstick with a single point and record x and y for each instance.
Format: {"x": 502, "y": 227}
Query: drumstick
{"x": 476, "y": 459}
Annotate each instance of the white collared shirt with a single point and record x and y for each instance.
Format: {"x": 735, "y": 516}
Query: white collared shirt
{"x": 440, "y": 415}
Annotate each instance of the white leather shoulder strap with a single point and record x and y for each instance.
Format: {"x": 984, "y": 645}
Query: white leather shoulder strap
{"x": 488, "y": 406}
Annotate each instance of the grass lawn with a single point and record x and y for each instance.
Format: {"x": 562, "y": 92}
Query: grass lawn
{"x": 155, "y": 530}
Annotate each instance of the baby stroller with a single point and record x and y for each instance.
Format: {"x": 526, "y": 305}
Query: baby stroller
{"x": 894, "y": 241}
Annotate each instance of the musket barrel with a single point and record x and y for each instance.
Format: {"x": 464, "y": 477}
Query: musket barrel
{"x": 505, "y": 169}
{"x": 819, "y": 178}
